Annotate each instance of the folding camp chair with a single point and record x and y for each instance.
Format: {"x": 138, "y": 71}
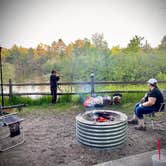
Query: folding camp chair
{"x": 161, "y": 109}
{"x": 11, "y": 131}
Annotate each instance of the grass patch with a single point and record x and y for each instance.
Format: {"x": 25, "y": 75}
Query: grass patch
{"x": 44, "y": 100}
{"x": 60, "y": 108}
{"x": 50, "y": 109}
{"x": 65, "y": 98}
{"x": 131, "y": 97}
{"x": 69, "y": 103}
{"x": 117, "y": 87}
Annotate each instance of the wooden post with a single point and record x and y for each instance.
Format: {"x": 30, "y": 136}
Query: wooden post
{"x": 10, "y": 91}
{"x": 92, "y": 84}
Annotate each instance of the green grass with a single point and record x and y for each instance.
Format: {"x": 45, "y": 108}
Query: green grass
{"x": 42, "y": 101}
{"x": 60, "y": 108}
{"x": 67, "y": 103}
{"x": 138, "y": 87}
{"x": 45, "y": 100}
{"x": 47, "y": 109}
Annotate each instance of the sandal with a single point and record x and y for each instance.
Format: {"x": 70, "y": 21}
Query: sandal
{"x": 143, "y": 128}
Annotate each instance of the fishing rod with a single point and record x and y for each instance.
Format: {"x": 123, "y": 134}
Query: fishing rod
{"x": 59, "y": 74}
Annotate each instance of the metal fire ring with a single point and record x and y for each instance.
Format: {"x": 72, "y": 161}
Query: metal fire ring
{"x": 108, "y": 134}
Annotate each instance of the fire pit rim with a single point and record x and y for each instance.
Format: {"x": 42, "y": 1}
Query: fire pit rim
{"x": 123, "y": 118}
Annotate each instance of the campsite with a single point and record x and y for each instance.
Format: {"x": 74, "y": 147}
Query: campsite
{"x": 50, "y": 139}
{"x": 82, "y": 82}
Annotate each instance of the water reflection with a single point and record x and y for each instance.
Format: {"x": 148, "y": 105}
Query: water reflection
{"x": 28, "y": 89}
{"x": 31, "y": 89}
{"x": 45, "y": 88}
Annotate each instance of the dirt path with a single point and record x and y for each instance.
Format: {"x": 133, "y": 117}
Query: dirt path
{"x": 51, "y": 141}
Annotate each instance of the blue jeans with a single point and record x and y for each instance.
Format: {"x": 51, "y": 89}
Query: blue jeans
{"x": 140, "y": 110}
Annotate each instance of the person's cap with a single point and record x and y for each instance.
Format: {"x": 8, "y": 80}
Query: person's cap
{"x": 152, "y": 81}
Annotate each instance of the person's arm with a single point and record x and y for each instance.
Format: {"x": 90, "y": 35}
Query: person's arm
{"x": 58, "y": 78}
{"x": 151, "y": 101}
{"x": 143, "y": 99}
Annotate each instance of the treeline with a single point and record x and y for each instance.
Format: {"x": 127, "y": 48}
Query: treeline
{"x": 78, "y": 59}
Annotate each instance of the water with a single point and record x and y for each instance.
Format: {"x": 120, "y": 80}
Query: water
{"x": 31, "y": 89}
{"x": 36, "y": 78}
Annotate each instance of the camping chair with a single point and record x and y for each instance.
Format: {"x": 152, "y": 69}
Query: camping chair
{"x": 161, "y": 109}
{"x": 11, "y": 131}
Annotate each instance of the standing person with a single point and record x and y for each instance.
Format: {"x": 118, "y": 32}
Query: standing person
{"x": 53, "y": 85}
{"x": 150, "y": 103}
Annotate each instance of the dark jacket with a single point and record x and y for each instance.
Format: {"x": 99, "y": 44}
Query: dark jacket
{"x": 53, "y": 80}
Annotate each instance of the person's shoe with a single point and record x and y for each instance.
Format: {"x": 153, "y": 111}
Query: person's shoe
{"x": 143, "y": 128}
{"x": 133, "y": 121}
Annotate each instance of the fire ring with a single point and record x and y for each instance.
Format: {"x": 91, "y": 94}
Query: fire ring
{"x": 101, "y": 128}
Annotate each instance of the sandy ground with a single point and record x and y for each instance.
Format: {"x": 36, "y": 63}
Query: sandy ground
{"x": 51, "y": 141}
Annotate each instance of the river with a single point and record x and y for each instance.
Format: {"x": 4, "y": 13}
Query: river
{"x": 44, "y": 89}
{"x": 31, "y": 89}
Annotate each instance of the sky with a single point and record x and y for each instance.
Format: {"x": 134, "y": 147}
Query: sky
{"x": 30, "y": 22}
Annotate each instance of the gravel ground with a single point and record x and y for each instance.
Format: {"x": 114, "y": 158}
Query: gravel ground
{"x": 51, "y": 141}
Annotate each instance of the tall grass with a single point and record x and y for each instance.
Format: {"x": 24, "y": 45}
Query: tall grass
{"x": 136, "y": 87}
{"x": 27, "y": 100}
{"x": 45, "y": 100}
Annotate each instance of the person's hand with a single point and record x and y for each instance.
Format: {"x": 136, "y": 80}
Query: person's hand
{"x": 140, "y": 105}
{"x": 142, "y": 100}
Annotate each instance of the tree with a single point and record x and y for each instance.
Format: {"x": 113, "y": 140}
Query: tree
{"x": 135, "y": 44}
{"x": 81, "y": 47}
{"x": 61, "y": 47}
{"x": 146, "y": 47}
{"x": 163, "y": 43}
{"x": 53, "y": 48}
{"x": 8, "y": 71}
{"x": 115, "y": 50}
{"x": 69, "y": 49}
{"x": 5, "y": 53}
{"x": 41, "y": 50}
{"x": 99, "y": 42}
{"x": 13, "y": 55}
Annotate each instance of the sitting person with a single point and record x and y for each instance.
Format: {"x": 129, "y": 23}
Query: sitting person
{"x": 150, "y": 103}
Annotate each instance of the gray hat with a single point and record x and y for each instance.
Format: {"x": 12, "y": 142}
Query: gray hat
{"x": 152, "y": 81}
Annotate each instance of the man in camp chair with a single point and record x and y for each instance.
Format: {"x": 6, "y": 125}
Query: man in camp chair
{"x": 150, "y": 103}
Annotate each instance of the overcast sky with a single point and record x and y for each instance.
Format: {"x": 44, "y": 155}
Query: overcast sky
{"x": 29, "y": 22}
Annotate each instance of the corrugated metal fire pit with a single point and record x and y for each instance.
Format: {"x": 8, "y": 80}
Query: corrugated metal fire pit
{"x": 95, "y": 131}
